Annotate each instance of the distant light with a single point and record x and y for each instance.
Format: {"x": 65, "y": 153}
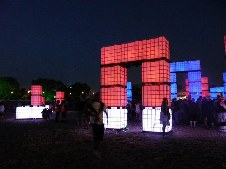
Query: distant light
{"x": 28, "y": 91}
{"x": 43, "y": 92}
{"x": 82, "y": 92}
{"x": 70, "y": 93}
{"x": 11, "y": 92}
{"x": 70, "y": 87}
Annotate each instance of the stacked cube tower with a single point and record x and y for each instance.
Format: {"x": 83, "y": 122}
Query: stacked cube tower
{"x": 154, "y": 56}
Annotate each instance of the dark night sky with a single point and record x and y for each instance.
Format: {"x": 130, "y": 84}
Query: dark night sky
{"x": 62, "y": 39}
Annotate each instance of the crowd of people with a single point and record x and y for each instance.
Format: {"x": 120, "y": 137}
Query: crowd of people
{"x": 203, "y": 111}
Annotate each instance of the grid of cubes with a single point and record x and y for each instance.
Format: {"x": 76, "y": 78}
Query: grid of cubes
{"x": 135, "y": 51}
{"x": 36, "y": 90}
{"x": 194, "y": 76}
{"x": 114, "y": 96}
{"x": 224, "y": 77}
{"x": 225, "y": 90}
{"x": 195, "y": 87}
{"x": 225, "y": 44}
{"x": 36, "y": 95}
{"x": 129, "y": 91}
{"x": 115, "y": 75}
{"x": 157, "y": 71}
{"x": 153, "y": 94}
{"x": 214, "y": 91}
{"x": 173, "y": 77}
{"x": 185, "y": 66}
{"x": 205, "y": 87}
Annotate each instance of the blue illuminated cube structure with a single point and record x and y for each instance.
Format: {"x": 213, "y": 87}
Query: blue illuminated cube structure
{"x": 214, "y": 91}
{"x": 194, "y": 77}
{"x": 129, "y": 91}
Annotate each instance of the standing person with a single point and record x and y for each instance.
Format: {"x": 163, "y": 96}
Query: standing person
{"x": 63, "y": 110}
{"x": 164, "y": 115}
{"x": 96, "y": 120}
{"x": 57, "y": 110}
{"x": 193, "y": 112}
{"x": 2, "y": 110}
{"x": 138, "y": 111}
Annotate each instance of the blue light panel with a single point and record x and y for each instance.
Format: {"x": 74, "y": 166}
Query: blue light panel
{"x": 195, "y": 87}
{"x": 173, "y": 95}
{"x": 194, "y": 65}
{"x": 194, "y": 76}
{"x": 216, "y": 89}
{"x": 129, "y": 85}
{"x": 173, "y": 67}
{"x": 173, "y": 88}
{"x": 173, "y": 77}
{"x": 181, "y": 66}
{"x": 224, "y": 77}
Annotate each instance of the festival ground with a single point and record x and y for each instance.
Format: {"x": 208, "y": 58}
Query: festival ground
{"x": 44, "y": 144}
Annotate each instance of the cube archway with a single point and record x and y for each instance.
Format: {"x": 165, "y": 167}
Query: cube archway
{"x": 154, "y": 57}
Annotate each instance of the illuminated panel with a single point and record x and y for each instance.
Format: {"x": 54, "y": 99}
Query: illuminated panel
{"x": 173, "y": 77}
{"x": 173, "y": 67}
{"x": 115, "y": 75}
{"x": 224, "y": 90}
{"x": 129, "y": 91}
{"x": 59, "y": 95}
{"x": 194, "y": 65}
{"x": 36, "y": 100}
{"x": 195, "y": 87}
{"x": 117, "y": 118}
{"x": 155, "y": 71}
{"x": 151, "y": 120}
{"x": 225, "y": 44}
{"x": 224, "y": 77}
{"x": 28, "y": 112}
{"x": 181, "y": 66}
{"x": 205, "y": 87}
{"x": 153, "y": 94}
{"x": 114, "y": 96}
{"x": 194, "y": 76}
{"x": 173, "y": 88}
{"x": 214, "y": 91}
{"x": 36, "y": 90}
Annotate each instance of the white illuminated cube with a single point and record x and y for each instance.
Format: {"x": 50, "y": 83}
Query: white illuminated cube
{"x": 117, "y": 118}
{"x": 151, "y": 120}
{"x": 29, "y": 112}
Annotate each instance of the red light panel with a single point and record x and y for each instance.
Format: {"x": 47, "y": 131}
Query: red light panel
{"x": 36, "y": 100}
{"x": 115, "y": 75}
{"x": 205, "y": 86}
{"x": 114, "y": 96}
{"x": 157, "y": 71}
{"x": 153, "y": 94}
{"x": 59, "y": 95}
{"x": 36, "y": 90}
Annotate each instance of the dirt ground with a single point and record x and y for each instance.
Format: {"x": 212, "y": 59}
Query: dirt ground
{"x": 44, "y": 144}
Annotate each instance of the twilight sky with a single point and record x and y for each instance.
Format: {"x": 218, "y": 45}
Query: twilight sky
{"x": 62, "y": 39}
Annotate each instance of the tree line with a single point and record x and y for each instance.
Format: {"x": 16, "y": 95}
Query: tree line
{"x": 10, "y": 89}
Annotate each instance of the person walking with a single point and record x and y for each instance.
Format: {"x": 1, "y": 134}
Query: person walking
{"x": 96, "y": 120}
{"x": 57, "y": 110}
{"x": 164, "y": 115}
{"x": 2, "y": 110}
{"x": 63, "y": 110}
